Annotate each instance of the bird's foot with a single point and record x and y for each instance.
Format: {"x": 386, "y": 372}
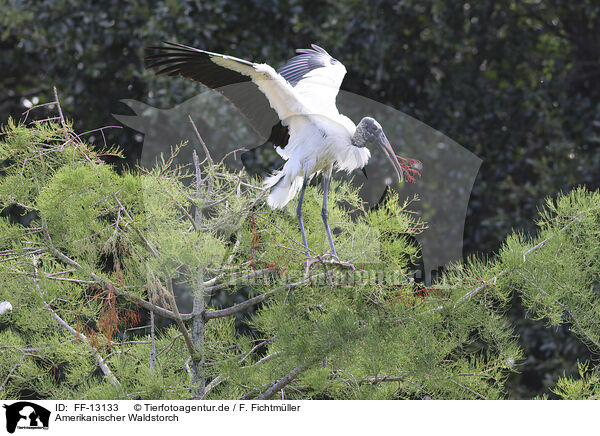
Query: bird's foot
{"x": 333, "y": 260}
{"x": 319, "y": 259}
{"x": 333, "y": 256}
{"x": 309, "y": 263}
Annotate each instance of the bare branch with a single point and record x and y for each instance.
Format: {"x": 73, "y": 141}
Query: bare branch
{"x": 210, "y": 161}
{"x": 152, "y": 343}
{"x": 145, "y": 242}
{"x": 210, "y": 314}
{"x": 60, "y": 113}
{"x": 468, "y": 389}
{"x": 11, "y": 371}
{"x": 263, "y": 360}
{"x": 190, "y": 218}
{"x": 281, "y": 383}
{"x": 120, "y": 292}
{"x": 179, "y": 321}
{"x": 239, "y": 280}
{"x": 374, "y": 380}
{"x": 99, "y": 359}
{"x": 198, "y": 172}
{"x": 491, "y": 281}
{"x": 213, "y": 384}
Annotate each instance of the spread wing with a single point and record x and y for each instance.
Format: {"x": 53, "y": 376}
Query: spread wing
{"x": 307, "y": 84}
{"x": 264, "y": 97}
{"x": 316, "y": 77}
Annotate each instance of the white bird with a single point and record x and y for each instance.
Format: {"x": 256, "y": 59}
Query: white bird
{"x": 5, "y": 306}
{"x": 297, "y": 105}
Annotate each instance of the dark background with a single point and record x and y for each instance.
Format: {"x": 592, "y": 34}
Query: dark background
{"x": 515, "y": 82}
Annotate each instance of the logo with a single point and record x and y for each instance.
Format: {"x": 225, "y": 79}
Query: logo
{"x": 26, "y": 415}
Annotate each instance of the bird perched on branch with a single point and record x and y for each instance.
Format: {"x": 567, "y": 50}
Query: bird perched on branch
{"x": 295, "y": 108}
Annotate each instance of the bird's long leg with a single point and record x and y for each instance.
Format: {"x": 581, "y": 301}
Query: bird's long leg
{"x": 299, "y": 214}
{"x": 326, "y": 179}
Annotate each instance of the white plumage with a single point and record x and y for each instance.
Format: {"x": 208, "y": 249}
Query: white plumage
{"x": 5, "y": 306}
{"x": 319, "y": 135}
{"x": 316, "y": 143}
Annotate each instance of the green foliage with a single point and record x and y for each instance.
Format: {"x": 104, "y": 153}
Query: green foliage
{"x": 105, "y": 246}
{"x": 102, "y": 240}
{"x": 587, "y": 387}
{"x": 557, "y": 274}
{"x": 554, "y": 276}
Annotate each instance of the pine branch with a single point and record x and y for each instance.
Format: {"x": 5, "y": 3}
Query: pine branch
{"x": 373, "y": 380}
{"x": 99, "y": 359}
{"x": 492, "y": 281}
{"x": 60, "y": 113}
{"x": 541, "y": 244}
{"x": 152, "y": 343}
{"x": 120, "y": 292}
{"x": 220, "y": 378}
{"x": 239, "y": 280}
{"x": 13, "y": 369}
{"x": 179, "y": 321}
{"x": 284, "y": 381}
{"x": 145, "y": 242}
{"x": 582, "y": 330}
{"x": 467, "y": 388}
{"x": 211, "y": 314}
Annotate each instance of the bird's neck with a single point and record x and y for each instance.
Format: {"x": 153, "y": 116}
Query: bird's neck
{"x": 358, "y": 140}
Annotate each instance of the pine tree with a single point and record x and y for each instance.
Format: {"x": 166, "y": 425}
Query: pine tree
{"x": 95, "y": 264}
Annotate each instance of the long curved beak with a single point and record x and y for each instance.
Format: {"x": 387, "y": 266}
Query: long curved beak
{"x": 384, "y": 144}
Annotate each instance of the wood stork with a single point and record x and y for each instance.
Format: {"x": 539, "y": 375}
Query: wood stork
{"x": 297, "y": 104}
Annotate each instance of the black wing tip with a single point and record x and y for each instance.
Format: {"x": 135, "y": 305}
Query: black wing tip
{"x": 176, "y": 44}
{"x": 165, "y": 45}
{"x": 160, "y": 54}
{"x": 169, "y": 47}
{"x": 154, "y": 52}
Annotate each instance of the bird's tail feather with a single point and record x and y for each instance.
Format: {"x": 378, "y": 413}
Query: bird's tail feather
{"x": 283, "y": 189}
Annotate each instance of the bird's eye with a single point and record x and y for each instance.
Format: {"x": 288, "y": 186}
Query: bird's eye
{"x": 332, "y": 61}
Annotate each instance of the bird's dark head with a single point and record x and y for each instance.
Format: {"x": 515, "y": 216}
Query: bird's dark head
{"x": 369, "y": 132}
